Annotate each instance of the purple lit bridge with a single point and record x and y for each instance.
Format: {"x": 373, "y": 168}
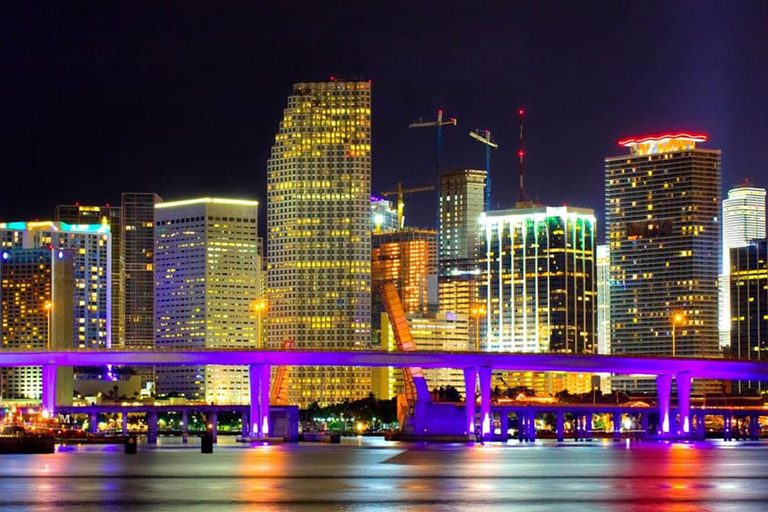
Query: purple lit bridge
{"x": 476, "y": 366}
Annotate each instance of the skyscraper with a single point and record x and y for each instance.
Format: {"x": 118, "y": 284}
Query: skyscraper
{"x": 749, "y": 307}
{"x": 603, "y": 267}
{"x": 663, "y": 228}
{"x": 743, "y": 221}
{"x": 539, "y": 287}
{"x": 206, "y": 284}
{"x": 112, "y": 217}
{"x": 138, "y": 254}
{"x": 36, "y": 313}
{"x": 462, "y": 200}
{"x": 92, "y": 247}
{"x": 319, "y": 234}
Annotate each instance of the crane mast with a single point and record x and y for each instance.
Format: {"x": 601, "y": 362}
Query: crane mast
{"x": 484, "y": 137}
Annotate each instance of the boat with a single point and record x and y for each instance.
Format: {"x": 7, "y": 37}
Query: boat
{"x": 16, "y": 439}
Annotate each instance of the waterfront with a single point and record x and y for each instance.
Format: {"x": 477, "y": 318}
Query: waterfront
{"x": 371, "y": 474}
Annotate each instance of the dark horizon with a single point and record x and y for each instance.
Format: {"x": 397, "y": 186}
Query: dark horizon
{"x": 184, "y": 99}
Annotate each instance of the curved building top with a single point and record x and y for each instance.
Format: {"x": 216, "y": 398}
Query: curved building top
{"x": 663, "y": 143}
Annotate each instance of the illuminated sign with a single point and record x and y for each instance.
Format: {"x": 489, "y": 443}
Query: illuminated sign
{"x": 663, "y": 143}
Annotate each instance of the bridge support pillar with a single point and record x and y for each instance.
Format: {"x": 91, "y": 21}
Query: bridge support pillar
{"x": 532, "y": 426}
{"x": 588, "y": 426}
{"x": 663, "y": 388}
{"x": 49, "y": 389}
{"x": 560, "y": 426}
{"x": 124, "y": 418}
{"x": 617, "y": 426}
{"x": 470, "y": 383}
{"x": 152, "y": 427}
{"x": 644, "y": 422}
{"x": 684, "y": 402}
{"x": 254, "y": 376}
{"x": 184, "y": 426}
{"x": 701, "y": 428}
{"x": 504, "y": 425}
{"x": 213, "y": 425}
{"x": 264, "y": 402}
{"x": 522, "y": 421}
{"x": 484, "y": 374}
{"x": 246, "y": 430}
{"x": 93, "y": 422}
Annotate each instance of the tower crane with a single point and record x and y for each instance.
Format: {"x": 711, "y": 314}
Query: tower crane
{"x": 438, "y": 124}
{"x": 484, "y": 137}
{"x": 400, "y": 192}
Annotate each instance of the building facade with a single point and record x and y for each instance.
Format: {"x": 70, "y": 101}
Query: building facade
{"x": 36, "y": 313}
{"x": 743, "y": 221}
{"x": 92, "y": 247}
{"x": 749, "y": 307}
{"x": 663, "y": 228}
{"x": 461, "y": 203}
{"x": 603, "y": 267}
{"x": 206, "y": 284}
{"x": 110, "y": 216}
{"x": 383, "y": 215}
{"x": 540, "y": 285}
{"x": 319, "y": 234}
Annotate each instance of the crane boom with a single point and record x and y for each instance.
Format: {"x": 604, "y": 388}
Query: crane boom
{"x": 400, "y": 192}
{"x": 413, "y": 377}
{"x": 484, "y": 137}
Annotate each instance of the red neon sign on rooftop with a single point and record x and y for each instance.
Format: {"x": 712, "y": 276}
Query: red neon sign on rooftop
{"x": 694, "y": 137}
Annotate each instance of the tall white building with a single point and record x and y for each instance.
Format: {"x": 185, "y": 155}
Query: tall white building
{"x": 603, "y": 266}
{"x": 743, "y": 220}
{"x": 207, "y": 273}
{"x": 319, "y": 234}
{"x": 92, "y": 248}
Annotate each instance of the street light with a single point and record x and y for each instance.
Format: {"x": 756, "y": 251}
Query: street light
{"x": 48, "y": 308}
{"x": 478, "y": 311}
{"x": 259, "y": 306}
{"x": 677, "y": 318}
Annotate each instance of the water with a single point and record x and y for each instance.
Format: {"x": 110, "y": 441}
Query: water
{"x": 372, "y": 474}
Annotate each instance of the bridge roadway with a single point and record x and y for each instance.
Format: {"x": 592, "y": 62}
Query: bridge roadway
{"x": 476, "y": 367}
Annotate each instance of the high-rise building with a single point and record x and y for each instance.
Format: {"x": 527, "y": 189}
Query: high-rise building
{"x": 92, "y": 247}
{"x": 603, "y": 267}
{"x": 138, "y": 255}
{"x": 743, "y": 221}
{"x": 112, "y": 217}
{"x": 749, "y": 307}
{"x": 462, "y": 201}
{"x": 206, "y": 284}
{"x": 539, "y": 288}
{"x": 383, "y": 215}
{"x": 663, "y": 228}
{"x": 36, "y": 313}
{"x": 443, "y": 332}
{"x": 319, "y": 234}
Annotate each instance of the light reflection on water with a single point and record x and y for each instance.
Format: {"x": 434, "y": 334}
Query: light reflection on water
{"x": 371, "y": 474}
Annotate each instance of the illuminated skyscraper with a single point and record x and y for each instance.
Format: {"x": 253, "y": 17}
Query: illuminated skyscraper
{"x": 749, "y": 307}
{"x": 319, "y": 234}
{"x": 663, "y": 228}
{"x": 539, "y": 287}
{"x": 92, "y": 247}
{"x": 603, "y": 266}
{"x": 111, "y": 216}
{"x": 206, "y": 284}
{"x": 138, "y": 254}
{"x": 36, "y": 297}
{"x": 743, "y": 221}
{"x": 462, "y": 201}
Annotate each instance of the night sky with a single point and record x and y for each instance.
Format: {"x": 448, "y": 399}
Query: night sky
{"x": 184, "y": 98}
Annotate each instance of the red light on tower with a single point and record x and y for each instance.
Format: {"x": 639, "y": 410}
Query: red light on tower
{"x": 520, "y": 112}
{"x": 521, "y": 153}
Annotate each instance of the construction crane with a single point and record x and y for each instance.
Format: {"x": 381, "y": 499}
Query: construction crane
{"x": 278, "y": 394}
{"x": 438, "y": 123}
{"x": 413, "y": 378}
{"x": 400, "y": 192}
{"x": 484, "y": 136}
